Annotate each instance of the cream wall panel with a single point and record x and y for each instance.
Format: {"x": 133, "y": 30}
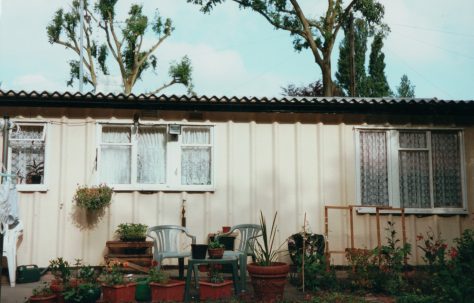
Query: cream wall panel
{"x": 291, "y": 167}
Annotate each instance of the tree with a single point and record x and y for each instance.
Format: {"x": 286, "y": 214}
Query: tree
{"x": 314, "y": 89}
{"x": 361, "y": 34}
{"x": 406, "y": 89}
{"x": 125, "y": 43}
{"x": 377, "y": 85}
{"x": 316, "y": 34}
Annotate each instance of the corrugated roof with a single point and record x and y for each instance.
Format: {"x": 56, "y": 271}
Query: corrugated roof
{"x": 239, "y": 104}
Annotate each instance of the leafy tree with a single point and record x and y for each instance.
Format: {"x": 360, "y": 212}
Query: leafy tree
{"x": 406, "y": 89}
{"x": 314, "y": 89}
{"x": 361, "y": 34}
{"x": 124, "y": 42}
{"x": 317, "y": 34}
{"x": 377, "y": 85}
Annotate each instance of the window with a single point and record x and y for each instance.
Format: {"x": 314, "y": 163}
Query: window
{"x": 27, "y": 152}
{"x": 420, "y": 170}
{"x": 150, "y": 157}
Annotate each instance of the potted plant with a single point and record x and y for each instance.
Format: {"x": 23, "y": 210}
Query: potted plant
{"x": 61, "y": 272}
{"x": 83, "y": 293}
{"x": 215, "y": 249}
{"x": 163, "y": 289}
{"x": 116, "y": 287}
{"x": 43, "y": 293}
{"x": 86, "y": 289}
{"x": 267, "y": 275}
{"x": 216, "y": 288}
{"x": 35, "y": 172}
{"x": 93, "y": 198}
{"x": 131, "y": 232}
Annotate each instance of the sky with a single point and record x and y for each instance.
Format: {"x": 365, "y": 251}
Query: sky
{"x": 238, "y": 53}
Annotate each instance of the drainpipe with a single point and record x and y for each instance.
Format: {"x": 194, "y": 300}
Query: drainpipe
{"x": 6, "y": 122}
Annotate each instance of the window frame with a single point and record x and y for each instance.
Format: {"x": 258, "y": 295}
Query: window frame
{"x": 172, "y": 162}
{"x": 46, "y": 136}
{"x": 392, "y": 136}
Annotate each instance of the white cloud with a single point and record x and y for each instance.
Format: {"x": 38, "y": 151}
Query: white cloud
{"x": 31, "y": 82}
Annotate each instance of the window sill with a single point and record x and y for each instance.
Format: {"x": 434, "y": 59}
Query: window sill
{"x": 152, "y": 189}
{"x": 26, "y": 188}
{"x": 415, "y": 211}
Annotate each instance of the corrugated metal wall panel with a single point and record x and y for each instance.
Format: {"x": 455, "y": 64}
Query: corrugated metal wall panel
{"x": 292, "y": 168}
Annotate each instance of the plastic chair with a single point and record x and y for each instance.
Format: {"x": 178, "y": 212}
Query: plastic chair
{"x": 166, "y": 242}
{"x": 10, "y": 239}
{"x": 248, "y": 233}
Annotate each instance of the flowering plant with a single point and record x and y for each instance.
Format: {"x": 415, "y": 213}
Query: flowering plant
{"x": 434, "y": 248}
{"x": 113, "y": 273}
{"x": 93, "y": 198}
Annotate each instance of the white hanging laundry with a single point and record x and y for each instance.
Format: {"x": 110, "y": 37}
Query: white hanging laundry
{"x": 8, "y": 204}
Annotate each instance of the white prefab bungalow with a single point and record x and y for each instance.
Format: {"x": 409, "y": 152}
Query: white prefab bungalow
{"x": 219, "y": 161}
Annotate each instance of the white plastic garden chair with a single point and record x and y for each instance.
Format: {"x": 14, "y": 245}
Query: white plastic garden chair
{"x": 166, "y": 244}
{"x": 247, "y": 234}
{"x": 10, "y": 239}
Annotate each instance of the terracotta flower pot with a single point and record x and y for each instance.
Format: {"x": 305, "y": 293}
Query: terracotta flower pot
{"x": 215, "y": 291}
{"x": 215, "y": 253}
{"x": 225, "y": 229}
{"x": 268, "y": 281}
{"x": 173, "y": 291}
{"x": 43, "y": 299}
{"x": 119, "y": 293}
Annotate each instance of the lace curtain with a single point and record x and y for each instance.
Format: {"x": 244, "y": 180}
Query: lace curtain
{"x": 27, "y": 147}
{"x": 115, "y": 159}
{"x": 196, "y": 160}
{"x": 373, "y": 168}
{"x": 151, "y": 164}
{"x": 446, "y": 169}
{"x": 414, "y": 170}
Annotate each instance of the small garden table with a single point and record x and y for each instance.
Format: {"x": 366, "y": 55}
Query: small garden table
{"x": 192, "y": 263}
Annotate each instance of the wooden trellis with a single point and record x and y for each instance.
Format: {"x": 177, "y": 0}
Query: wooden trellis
{"x": 350, "y": 208}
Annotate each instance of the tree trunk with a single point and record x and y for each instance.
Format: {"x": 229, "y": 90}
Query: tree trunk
{"x": 327, "y": 79}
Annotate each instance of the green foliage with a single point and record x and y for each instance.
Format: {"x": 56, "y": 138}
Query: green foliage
{"x": 390, "y": 258}
{"x": 93, "y": 198}
{"x": 314, "y": 89}
{"x": 113, "y": 274}
{"x": 131, "y": 231}
{"x": 125, "y": 42}
{"x": 35, "y": 169}
{"x": 83, "y": 293}
{"x": 158, "y": 276}
{"x": 215, "y": 243}
{"x": 434, "y": 249}
{"x": 60, "y": 269}
{"x": 336, "y": 297}
{"x": 42, "y": 290}
{"x": 315, "y": 33}
{"x": 214, "y": 273}
{"x": 317, "y": 274}
{"x": 87, "y": 274}
{"x": 416, "y": 298}
{"x": 361, "y": 34}
{"x": 362, "y": 264}
{"x": 263, "y": 247}
{"x": 181, "y": 72}
{"x": 405, "y": 89}
{"x": 106, "y": 8}
{"x": 378, "y": 85}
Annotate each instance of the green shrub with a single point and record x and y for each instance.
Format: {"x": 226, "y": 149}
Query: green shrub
{"x": 131, "y": 231}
